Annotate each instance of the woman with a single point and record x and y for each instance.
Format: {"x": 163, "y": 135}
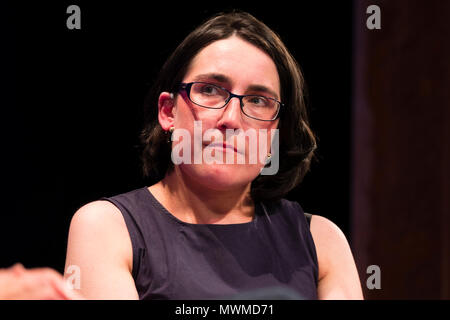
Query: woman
{"x": 212, "y": 229}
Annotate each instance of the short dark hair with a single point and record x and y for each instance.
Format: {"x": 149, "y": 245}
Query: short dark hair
{"x": 297, "y": 141}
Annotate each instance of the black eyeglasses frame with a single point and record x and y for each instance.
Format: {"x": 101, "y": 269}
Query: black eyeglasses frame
{"x": 187, "y": 87}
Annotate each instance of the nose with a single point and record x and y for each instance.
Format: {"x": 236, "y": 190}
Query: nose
{"x": 231, "y": 116}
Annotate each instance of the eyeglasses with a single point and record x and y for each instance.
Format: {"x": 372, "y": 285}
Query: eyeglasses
{"x": 211, "y": 96}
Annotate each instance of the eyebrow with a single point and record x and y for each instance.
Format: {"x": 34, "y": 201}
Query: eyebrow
{"x": 221, "y": 78}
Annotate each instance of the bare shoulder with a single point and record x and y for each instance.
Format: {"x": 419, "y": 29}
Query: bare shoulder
{"x": 97, "y": 212}
{"x": 338, "y": 275}
{"x": 101, "y": 224}
{"x": 327, "y": 235}
{"x": 100, "y": 245}
{"x": 329, "y": 240}
{"x": 326, "y": 228}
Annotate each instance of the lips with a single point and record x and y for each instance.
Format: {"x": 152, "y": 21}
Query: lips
{"x": 223, "y": 145}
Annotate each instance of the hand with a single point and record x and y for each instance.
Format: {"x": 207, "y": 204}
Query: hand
{"x": 18, "y": 283}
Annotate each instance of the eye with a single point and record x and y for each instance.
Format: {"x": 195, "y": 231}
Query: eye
{"x": 258, "y": 101}
{"x": 209, "y": 90}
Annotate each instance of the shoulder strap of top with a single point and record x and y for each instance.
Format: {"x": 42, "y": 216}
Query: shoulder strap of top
{"x": 308, "y": 218}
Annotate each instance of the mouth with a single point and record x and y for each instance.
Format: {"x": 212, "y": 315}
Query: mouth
{"x": 224, "y": 146}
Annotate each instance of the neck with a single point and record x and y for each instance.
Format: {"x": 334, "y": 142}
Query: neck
{"x": 195, "y": 203}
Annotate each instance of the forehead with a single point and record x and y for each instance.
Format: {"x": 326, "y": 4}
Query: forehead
{"x": 243, "y": 63}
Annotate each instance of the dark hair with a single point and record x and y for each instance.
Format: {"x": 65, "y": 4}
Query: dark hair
{"x": 297, "y": 142}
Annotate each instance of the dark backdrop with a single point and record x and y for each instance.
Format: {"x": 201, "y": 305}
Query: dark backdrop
{"x": 72, "y": 107}
{"x": 401, "y": 149}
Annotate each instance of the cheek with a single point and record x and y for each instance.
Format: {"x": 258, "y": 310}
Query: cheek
{"x": 205, "y": 114}
{"x": 186, "y": 115}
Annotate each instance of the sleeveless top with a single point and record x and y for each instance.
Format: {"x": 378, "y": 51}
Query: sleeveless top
{"x": 173, "y": 259}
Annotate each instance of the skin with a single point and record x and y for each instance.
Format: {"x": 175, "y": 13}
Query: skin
{"x": 18, "y": 283}
{"x": 216, "y": 193}
{"x": 99, "y": 242}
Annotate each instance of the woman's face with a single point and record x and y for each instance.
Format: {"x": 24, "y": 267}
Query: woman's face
{"x": 241, "y": 68}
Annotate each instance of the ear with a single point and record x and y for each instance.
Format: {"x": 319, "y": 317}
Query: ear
{"x": 166, "y": 114}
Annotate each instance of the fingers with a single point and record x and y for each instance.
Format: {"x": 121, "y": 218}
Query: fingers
{"x": 60, "y": 287}
{"x": 17, "y": 269}
{"x": 41, "y": 283}
{"x": 38, "y": 284}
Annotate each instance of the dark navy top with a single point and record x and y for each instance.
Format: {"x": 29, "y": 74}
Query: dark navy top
{"x": 173, "y": 259}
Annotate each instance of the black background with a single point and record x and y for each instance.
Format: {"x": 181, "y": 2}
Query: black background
{"x": 72, "y": 101}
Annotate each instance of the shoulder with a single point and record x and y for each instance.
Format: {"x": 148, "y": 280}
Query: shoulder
{"x": 327, "y": 232}
{"x": 330, "y": 243}
{"x": 338, "y": 276}
{"x": 292, "y": 211}
{"x": 284, "y": 206}
{"x": 100, "y": 247}
{"x": 98, "y": 224}
{"x": 98, "y": 214}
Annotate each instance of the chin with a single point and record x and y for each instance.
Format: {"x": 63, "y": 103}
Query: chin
{"x": 222, "y": 176}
